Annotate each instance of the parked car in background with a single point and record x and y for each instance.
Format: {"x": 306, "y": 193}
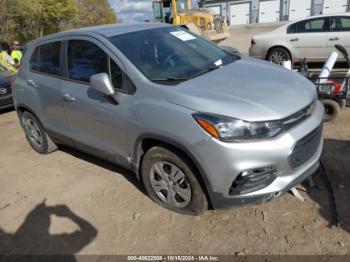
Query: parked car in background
{"x": 199, "y": 125}
{"x": 312, "y": 38}
{"x": 6, "y": 79}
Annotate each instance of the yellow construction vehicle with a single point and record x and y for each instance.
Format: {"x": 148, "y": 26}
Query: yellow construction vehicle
{"x": 200, "y": 21}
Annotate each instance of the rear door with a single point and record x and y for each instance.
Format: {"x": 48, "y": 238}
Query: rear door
{"x": 98, "y": 123}
{"x": 308, "y": 38}
{"x": 44, "y": 88}
{"x": 339, "y": 33}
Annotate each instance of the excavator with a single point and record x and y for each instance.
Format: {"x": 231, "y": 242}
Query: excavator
{"x": 198, "y": 20}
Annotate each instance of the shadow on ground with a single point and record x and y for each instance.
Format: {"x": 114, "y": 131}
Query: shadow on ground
{"x": 33, "y": 236}
{"x": 130, "y": 176}
{"x": 336, "y": 159}
{"x": 7, "y": 110}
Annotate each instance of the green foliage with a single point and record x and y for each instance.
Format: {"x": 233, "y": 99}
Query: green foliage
{"x": 92, "y": 12}
{"x": 25, "y": 20}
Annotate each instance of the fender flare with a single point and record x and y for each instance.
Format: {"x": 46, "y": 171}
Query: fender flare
{"x": 138, "y": 154}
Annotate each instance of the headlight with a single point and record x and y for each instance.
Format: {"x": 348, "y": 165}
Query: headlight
{"x": 231, "y": 129}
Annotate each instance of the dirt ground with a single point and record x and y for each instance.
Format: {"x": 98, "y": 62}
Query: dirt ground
{"x": 70, "y": 203}
{"x": 241, "y": 36}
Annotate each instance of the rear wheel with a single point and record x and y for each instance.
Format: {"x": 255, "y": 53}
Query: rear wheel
{"x": 332, "y": 110}
{"x": 278, "y": 55}
{"x": 170, "y": 182}
{"x": 36, "y": 134}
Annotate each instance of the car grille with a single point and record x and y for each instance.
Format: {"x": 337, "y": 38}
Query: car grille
{"x": 6, "y": 98}
{"x": 6, "y": 101}
{"x": 299, "y": 116}
{"x": 305, "y": 148}
{"x": 8, "y": 91}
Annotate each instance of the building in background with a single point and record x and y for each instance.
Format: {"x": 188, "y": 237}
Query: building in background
{"x": 240, "y": 12}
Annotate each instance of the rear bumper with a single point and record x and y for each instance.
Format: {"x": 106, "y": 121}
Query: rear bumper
{"x": 256, "y": 52}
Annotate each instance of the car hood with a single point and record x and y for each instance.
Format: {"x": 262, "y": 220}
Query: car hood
{"x": 248, "y": 89}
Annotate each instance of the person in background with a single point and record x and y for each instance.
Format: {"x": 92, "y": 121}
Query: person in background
{"x": 6, "y": 61}
{"x": 16, "y": 54}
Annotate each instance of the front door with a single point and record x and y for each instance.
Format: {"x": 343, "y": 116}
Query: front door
{"x": 98, "y": 123}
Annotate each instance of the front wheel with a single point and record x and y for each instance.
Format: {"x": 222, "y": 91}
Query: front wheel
{"x": 278, "y": 55}
{"x": 170, "y": 182}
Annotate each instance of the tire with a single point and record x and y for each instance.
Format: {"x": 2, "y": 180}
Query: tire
{"x": 36, "y": 134}
{"x": 278, "y": 54}
{"x": 332, "y": 110}
{"x": 161, "y": 186}
{"x": 342, "y": 103}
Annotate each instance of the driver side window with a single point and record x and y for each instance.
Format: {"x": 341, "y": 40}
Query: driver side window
{"x": 86, "y": 59}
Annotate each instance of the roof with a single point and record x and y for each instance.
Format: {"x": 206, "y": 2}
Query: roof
{"x": 318, "y": 16}
{"x": 108, "y": 30}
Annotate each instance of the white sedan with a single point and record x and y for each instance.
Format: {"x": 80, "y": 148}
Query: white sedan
{"x": 312, "y": 38}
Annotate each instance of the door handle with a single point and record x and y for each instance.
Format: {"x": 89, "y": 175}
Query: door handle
{"x": 294, "y": 39}
{"x": 334, "y": 39}
{"x": 68, "y": 98}
{"x": 31, "y": 83}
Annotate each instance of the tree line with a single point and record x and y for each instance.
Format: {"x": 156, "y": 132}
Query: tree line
{"x": 25, "y": 20}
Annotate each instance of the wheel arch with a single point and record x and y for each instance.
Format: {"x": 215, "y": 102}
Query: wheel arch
{"x": 148, "y": 141}
{"x": 278, "y": 46}
{"x": 21, "y": 108}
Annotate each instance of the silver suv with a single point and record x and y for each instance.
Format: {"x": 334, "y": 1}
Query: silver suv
{"x": 200, "y": 126}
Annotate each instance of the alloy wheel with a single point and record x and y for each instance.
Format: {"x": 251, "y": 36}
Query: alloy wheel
{"x": 278, "y": 57}
{"x": 170, "y": 184}
{"x": 34, "y": 134}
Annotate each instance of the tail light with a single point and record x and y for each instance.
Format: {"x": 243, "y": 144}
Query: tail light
{"x": 252, "y": 42}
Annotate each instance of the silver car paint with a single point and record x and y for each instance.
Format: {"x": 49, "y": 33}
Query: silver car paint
{"x": 246, "y": 89}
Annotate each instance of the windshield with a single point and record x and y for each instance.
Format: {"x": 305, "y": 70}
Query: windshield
{"x": 171, "y": 54}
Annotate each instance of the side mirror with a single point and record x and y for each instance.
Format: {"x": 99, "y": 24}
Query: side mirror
{"x": 102, "y": 83}
{"x": 343, "y": 51}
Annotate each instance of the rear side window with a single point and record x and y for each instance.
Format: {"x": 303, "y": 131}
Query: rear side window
{"x": 46, "y": 59}
{"x": 338, "y": 24}
{"x": 309, "y": 26}
{"x": 85, "y": 59}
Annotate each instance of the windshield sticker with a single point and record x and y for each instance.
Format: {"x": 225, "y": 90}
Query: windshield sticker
{"x": 218, "y": 63}
{"x": 182, "y": 35}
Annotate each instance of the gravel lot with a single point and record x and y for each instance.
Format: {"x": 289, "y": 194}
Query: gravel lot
{"x": 70, "y": 203}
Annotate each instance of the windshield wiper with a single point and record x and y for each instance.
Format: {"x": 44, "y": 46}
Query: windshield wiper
{"x": 170, "y": 79}
{"x": 212, "y": 68}
{"x": 178, "y": 79}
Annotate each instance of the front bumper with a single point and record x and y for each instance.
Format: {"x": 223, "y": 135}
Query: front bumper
{"x": 224, "y": 162}
{"x": 6, "y": 99}
{"x": 6, "y": 102}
